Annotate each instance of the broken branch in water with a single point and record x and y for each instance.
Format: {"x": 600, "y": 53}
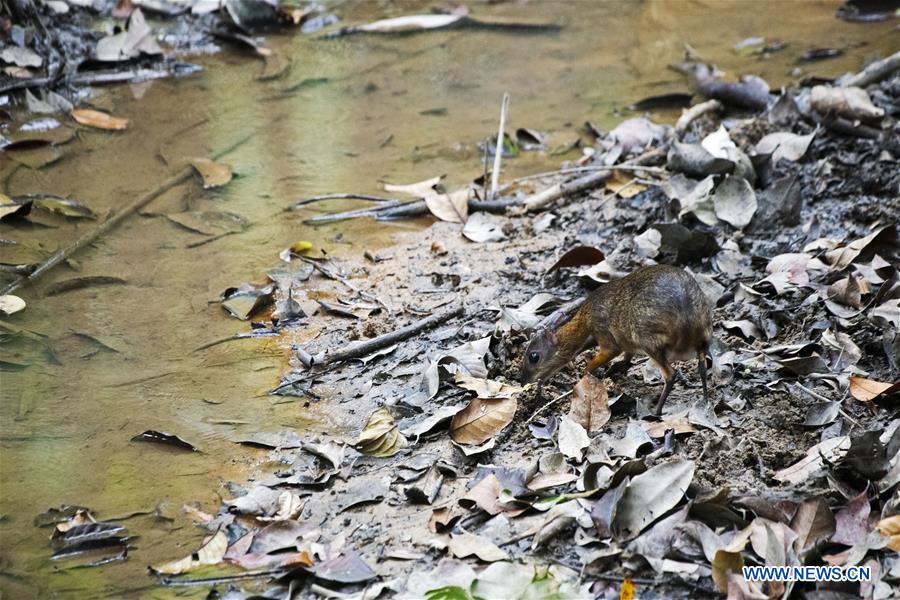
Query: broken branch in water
{"x": 113, "y": 222}
{"x": 364, "y": 348}
{"x": 554, "y": 192}
{"x": 498, "y": 148}
{"x": 177, "y": 69}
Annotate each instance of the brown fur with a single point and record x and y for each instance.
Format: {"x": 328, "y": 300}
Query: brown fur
{"x": 659, "y": 311}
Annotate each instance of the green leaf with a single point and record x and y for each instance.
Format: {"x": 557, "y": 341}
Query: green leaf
{"x": 451, "y": 592}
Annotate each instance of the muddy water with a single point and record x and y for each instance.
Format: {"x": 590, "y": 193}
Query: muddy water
{"x": 371, "y": 109}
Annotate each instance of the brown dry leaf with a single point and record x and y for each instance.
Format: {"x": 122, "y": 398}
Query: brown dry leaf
{"x": 890, "y": 528}
{"x": 211, "y": 553}
{"x": 481, "y": 420}
{"x": 577, "y": 257}
{"x": 840, "y": 258}
{"x": 866, "y": 390}
{"x": 658, "y": 429}
{"x": 380, "y": 437}
{"x": 452, "y": 207}
{"x": 214, "y": 174}
{"x": 99, "y": 120}
{"x": 487, "y": 388}
{"x": 590, "y": 407}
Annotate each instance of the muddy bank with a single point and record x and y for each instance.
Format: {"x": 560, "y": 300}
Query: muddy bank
{"x": 797, "y": 252}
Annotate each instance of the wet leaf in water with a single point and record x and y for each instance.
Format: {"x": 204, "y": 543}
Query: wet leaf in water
{"x": 420, "y": 189}
{"x": 589, "y": 406}
{"x": 483, "y": 227}
{"x": 481, "y": 420}
{"x": 214, "y": 174}
{"x": 866, "y": 390}
{"x": 286, "y": 440}
{"x": 380, "y": 437}
{"x": 10, "y": 304}
{"x": 14, "y": 210}
{"x": 210, "y": 222}
{"x": 211, "y": 553}
{"x": 63, "y": 206}
{"x": 80, "y": 283}
{"x": 783, "y": 144}
{"x": 99, "y": 120}
{"x": 673, "y": 100}
{"x": 347, "y": 568}
{"x": 651, "y": 494}
{"x": 247, "y": 299}
{"x": 87, "y": 532}
{"x": 168, "y": 439}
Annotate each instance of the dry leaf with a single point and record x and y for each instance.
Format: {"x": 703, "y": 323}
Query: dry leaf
{"x": 590, "y": 407}
{"x": 452, "y": 207}
{"x": 481, "y": 420}
{"x": 211, "y": 553}
{"x": 487, "y": 388}
{"x": 866, "y": 390}
{"x": 99, "y": 120}
{"x": 214, "y": 174}
{"x": 890, "y": 528}
{"x": 831, "y": 449}
{"x": 10, "y": 304}
{"x": 658, "y": 429}
{"x": 380, "y": 437}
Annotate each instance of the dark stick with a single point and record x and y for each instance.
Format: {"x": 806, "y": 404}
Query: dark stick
{"x": 351, "y": 196}
{"x": 104, "y": 77}
{"x": 366, "y": 347}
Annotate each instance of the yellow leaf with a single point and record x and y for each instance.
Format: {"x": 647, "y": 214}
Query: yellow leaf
{"x": 301, "y": 246}
{"x": 99, "y": 120}
{"x": 627, "y": 590}
{"x": 890, "y": 528}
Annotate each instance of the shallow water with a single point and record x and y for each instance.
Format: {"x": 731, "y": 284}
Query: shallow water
{"x": 67, "y": 419}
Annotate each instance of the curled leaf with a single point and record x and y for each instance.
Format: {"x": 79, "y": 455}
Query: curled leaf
{"x": 99, "y": 120}
{"x": 380, "y": 437}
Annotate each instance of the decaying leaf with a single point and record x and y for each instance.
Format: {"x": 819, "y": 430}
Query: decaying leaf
{"x": 525, "y": 316}
{"x": 832, "y": 450}
{"x": 347, "y": 568}
{"x": 380, "y": 437}
{"x": 10, "y": 304}
{"x": 214, "y": 174}
{"x": 483, "y": 227}
{"x": 481, "y": 420}
{"x": 99, "y": 120}
{"x": 866, "y": 390}
{"x": 735, "y": 201}
{"x": 651, "y": 494}
{"x": 211, "y": 553}
{"x": 783, "y": 144}
{"x": 467, "y": 544}
{"x": 572, "y": 438}
{"x": 577, "y": 257}
{"x": 590, "y": 407}
{"x": 487, "y": 388}
{"x": 467, "y": 358}
{"x": 168, "y": 439}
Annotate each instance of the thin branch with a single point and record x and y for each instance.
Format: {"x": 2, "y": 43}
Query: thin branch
{"x": 498, "y": 149}
{"x": 363, "y": 348}
{"x": 547, "y": 405}
{"x": 350, "y": 196}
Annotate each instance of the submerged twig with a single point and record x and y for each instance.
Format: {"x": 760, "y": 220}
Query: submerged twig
{"x": 498, "y": 149}
{"x": 113, "y": 221}
{"x": 348, "y": 196}
{"x": 363, "y": 348}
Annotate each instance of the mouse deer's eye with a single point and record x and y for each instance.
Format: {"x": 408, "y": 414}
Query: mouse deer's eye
{"x": 533, "y": 357}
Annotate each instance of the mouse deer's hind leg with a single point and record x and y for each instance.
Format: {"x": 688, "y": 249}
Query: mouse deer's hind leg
{"x": 701, "y": 366}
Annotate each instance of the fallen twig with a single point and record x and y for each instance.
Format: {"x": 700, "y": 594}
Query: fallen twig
{"x": 873, "y": 73}
{"x": 695, "y": 112}
{"x": 554, "y": 192}
{"x": 177, "y": 69}
{"x": 112, "y": 222}
{"x": 548, "y": 405}
{"x": 498, "y": 148}
{"x": 363, "y": 348}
